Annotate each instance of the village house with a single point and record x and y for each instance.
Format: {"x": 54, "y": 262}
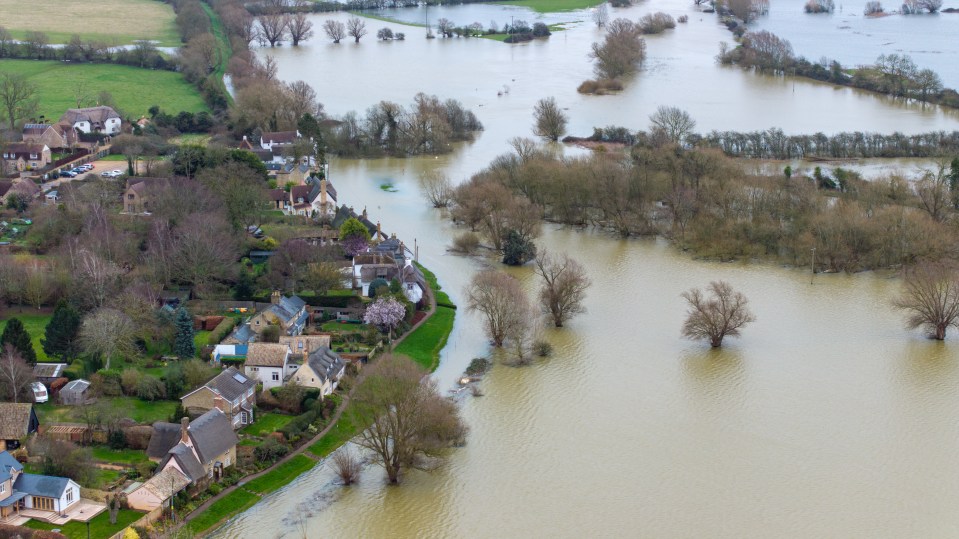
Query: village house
{"x": 231, "y": 392}
{"x": 157, "y": 491}
{"x": 59, "y": 135}
{"x": 24, "y": 187}
{"x": 241, "y": 334}
{"x": 205, "y": 448}
{"x": 17, "y": 421}
{"x": 136, "y": 197}
{"x": 321, "y": 370}
{"x": 49, "y": 498}
{"x": 268, "y": 363}
{"x": 368, "y": 267}
{"x": 289, "y": 313}
{"x": 305, "y": 344}
{"x": 278, "y": 140}
{"x": 21, "y": 156}
{"x": 99, "y": 119}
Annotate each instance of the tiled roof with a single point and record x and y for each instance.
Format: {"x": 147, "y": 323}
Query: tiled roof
{"x": 14, "y": 420}
{"x": 325, "y": 362}
{"x": 96, "y": 115}
{"x": 165, "y": 436}
{"x": 41, "y": 485}
{"x": 230, "y": 384}
{"x": 280, "y": 137}
{"x": 212, "y": 434}
{"x": 166, "y": 483}
{"x": 186, "y": 460}
{"x": 8, "y": 464}
{"x": 300, "y": 191}
{"x": 263, "y": 354}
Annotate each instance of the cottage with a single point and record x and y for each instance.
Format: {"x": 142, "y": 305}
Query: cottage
{"x": 287, "y": 312}
{"x": 268, "y": 363}
{"x": 59, "y": 135}
{"x": 136, "y": 198}
{"x": 231, "y": 392}
{"x": 322, "y": 370}
{"x": 277, "y": 141}
{"x": 305, "y": 344}
{"x": 277, "y": 198}
{"x": 20, "y": 156}
{"x": 368, "y": 267}
{"x": 49, "y": 496}
{"x": 76, "y": 393}
{"x": 158, "y": 490}
{"x": 242, "y": 334}
{"x": 207, "y": 446}
{"x": 17, "y": 421}
{"x": 99, "y": 119}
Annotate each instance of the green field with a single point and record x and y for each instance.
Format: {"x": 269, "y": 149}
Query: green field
{"x": 35, "y": 325}
{"x": 132, "y": 407}
{"x": 118, "y": 456}
{"x": 100, "y": 527}
{"x": 550, "y": 6}
{"x": 135, "y": 90}
{"x": 281, "y": 475}
{"x": 114, "y": 22}
{"x": 266, "y": 424}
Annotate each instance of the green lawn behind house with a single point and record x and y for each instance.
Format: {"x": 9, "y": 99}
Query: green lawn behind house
{"x": 132, "y": 407}
{"x": 267, "y": 423}
{"x": 135, "y": 90}
{"x": 36, "y": 325}
{"x": 118, "y": 456}
{"x": 100, "y": 527}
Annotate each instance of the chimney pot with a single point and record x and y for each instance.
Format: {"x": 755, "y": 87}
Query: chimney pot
{"x": 184, "y": 429}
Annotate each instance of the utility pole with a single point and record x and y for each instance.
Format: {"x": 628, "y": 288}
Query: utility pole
{"x": 812, "y": 265}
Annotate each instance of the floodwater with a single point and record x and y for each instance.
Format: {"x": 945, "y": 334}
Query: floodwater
{"x": 853, "y": 39}
{"x": 826, "y": 419}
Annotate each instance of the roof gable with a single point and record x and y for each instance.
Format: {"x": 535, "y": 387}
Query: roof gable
{"x": 212, "y": 434}
{"x": 47, "y": 486}
{"x": 325, "y": 363}
{"x": 230, "y": 384}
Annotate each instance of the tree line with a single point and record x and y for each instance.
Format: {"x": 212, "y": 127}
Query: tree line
{"x": 892, "y": 74}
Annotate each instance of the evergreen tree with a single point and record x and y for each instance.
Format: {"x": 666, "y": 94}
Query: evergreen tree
{"x": 243, "y": 291}
{"x": 60, "y": 337}
{"x": 16, "y": 335}
{"x": 517, "y": 250}
{"x": 184, "y": 346}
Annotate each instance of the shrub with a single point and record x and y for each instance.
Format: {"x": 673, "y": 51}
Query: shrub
{"x": 128, "y": 381}
{"x": 375, "y": 285}
{"x": 683, "y": 19}
{"x": 478, "y": 366}
{"x": 656, "y": 23}
{"x": 541, "y": 30}
{"x": 221, "y": 331}
{"x": 819, "y": 6}
{"x": 150, "y": 388}
{"x": 117, "y": 440}
{"x": 300, "y": 423}
{"x": 106, "y": 383}
{"x": 271, "y": 334}
{"x": 466, "y": 243}
{"x": 542, "y": 348}
{"x": 600, "y": 86}
{"x": 270, "y": 450}
{"x": 873, "y": 7}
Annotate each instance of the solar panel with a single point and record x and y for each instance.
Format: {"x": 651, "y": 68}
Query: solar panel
{"x": 239, "y": 378}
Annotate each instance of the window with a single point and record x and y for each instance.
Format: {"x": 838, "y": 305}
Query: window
{"x": 276, "y": 376}
{"x": 3, "y": 487}
{"x": 69, "y": 495}
{"x": 255, "y": 369}
{"x": 299, "y": 344}
{"x": 34, "y": 156}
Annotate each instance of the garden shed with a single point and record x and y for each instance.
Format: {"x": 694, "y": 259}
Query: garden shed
{"x": 76, "y": 393}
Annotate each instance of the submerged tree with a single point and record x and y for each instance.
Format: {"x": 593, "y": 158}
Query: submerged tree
{"x": 335, "y": 30}
{"x": 549, "y": 121}
{"x": 718, "y": 316}
{"x": 410, "y": 423}
{"x": 564, "y": 286}
{"x": 356, "y": 28}
{"x": 931, "y": 297}
{"x": 622, "y": 51}
{"x": 502, "y": 302}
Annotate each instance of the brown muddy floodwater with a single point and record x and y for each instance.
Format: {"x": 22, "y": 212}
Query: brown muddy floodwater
{"x": 826, "y": 419}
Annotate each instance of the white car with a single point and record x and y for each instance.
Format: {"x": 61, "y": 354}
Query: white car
{"x": 39, "y": 392}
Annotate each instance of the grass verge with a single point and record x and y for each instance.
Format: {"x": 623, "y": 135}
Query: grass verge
{"x": 223, "y": 49}
{"x": 135, "y": 90}
{"x": 281, "y": 475}
{"x": 100, "y": 527}
{"x": 228, "y": 506}
{"x": 36, "y": 325}
{"x": 346, "y": 428}
{"x": 425, "y": 343}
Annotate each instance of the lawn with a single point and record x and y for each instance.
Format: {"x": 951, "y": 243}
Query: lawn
{"x": 35, "y": 325}
{"x": 550, "y": 6}
{"x": 441, "y": 297}
{"x": 233, "y": 503}
{"x": 427, "y": 341}
{"x": 266, "y": 424}
{"x": 337, "y": 326}
{"x": 200, "y": 339}
{"x": 281, "y": 475}
{"x": 113, "y": 157}
{"x": 115, "y": 22}
{"x": 135, "y": 90}
{"x": 136, "y": 409}
{"x": 118, "y": 456}
{"x": 106, "y": 477}
{"x": 344, "y": 430}
{"x": 100, "y": 527}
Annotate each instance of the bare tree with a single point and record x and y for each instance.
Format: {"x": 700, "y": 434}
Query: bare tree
{"x": 356, "y": 28}
{"x": 18, "y": 98}
{"x": 601, "y": 15}
{"x": 549, "y": 121}
{"x": 721, "y": 315}
{"x": 410, "y": 423}
{"x": 564, "y": 286}
{"x": 107, "y": 332}
{"x": 933, "y": 192}
{"x": 81, "y": 93}
{"x": 445, "y": 27}
{"x": 300, "y": 26}
{"x": 347, "y": 465}
{"x": 15, "y": 376}
{"x": 931, "y": 297}
{"x": 502, "y": 302}
{"x": 335, "y": 30}
{"x": 622, "y": 51}
{"x": 674, "y": 122}
{"x": 437, "y": 188}
{"x": 273, "y": 25}
{"x": 205, "y": 250}
{"x": 927, "y": 83}
{"x": 98, "y": 278}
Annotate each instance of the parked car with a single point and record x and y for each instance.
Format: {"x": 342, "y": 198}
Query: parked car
{"x": 86, "y": 168}
{"x": 107, "y": 174}
{"x": 68, "y": 173}
{"x": 39, "y": 392}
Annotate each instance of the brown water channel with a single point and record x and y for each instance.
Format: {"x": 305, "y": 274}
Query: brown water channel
{"x": 826, "y": 419}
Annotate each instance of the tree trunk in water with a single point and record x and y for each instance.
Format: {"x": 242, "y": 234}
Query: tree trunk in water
{"x": 716, "y": 342}
{"x": 941, "y": 332}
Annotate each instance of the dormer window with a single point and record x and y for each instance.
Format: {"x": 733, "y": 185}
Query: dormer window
{"x": 34, "y": 156}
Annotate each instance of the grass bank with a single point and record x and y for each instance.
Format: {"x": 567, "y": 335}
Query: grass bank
{"x": 135, "y": 90}
{"x": 281, "y": 475}
{"x": 223, "y": 49}
{"x": 36, "y": 325}
{"x": 232, "y": 504}
{"x": 425, "y": 344}
{"x": 551, "y": 6}
{"x": 100, "y": 527}
{"x": 115, "y": 22}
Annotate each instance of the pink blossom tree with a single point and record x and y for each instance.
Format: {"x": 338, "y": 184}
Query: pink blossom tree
{"x": 354, "y": 245}
{"x": 385, "y": 313}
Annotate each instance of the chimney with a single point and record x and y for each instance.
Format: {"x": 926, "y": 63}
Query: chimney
{"x": 379, "y": 231}
{"x": 275, "y": 297}
{"x": 184, "y": 430}
{"x": 323, "y": 192}
{"x": 364, "y": 212}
